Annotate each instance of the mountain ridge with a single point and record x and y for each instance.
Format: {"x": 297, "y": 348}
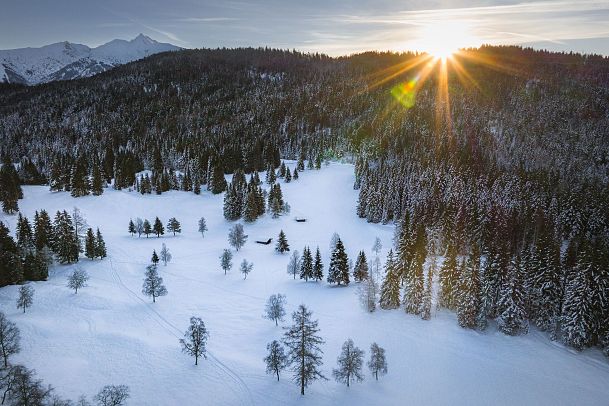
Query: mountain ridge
{"x": 66, "y": 60}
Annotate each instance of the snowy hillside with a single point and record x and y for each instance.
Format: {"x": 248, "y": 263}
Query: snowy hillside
{"x": 65, "y": 60}
{"x": 111, "y": 333}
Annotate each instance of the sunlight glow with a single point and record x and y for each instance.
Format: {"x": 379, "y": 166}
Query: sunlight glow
{"x": 442, "y": 39}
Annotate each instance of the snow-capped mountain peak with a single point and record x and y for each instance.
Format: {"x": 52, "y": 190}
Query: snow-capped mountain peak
{"x": 66, "y": 60}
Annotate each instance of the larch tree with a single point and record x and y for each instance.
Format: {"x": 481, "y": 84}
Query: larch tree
{"x": 9, "y": 338}
{"x": 237, "y": 237}
{"x": 304, "y": 348}
{"x": 78, "y": 279}
{"x": 153, "y": 284}
{"x": 139, "y": 226}
{"x": 25, "y": 298}
{"x": 275, "y": 308}
{"x": 377, "y": 363}
{"x": 226, "y": 260}
{"x": 294, "y": 264}
{"x": 112, "y": 395}
{"x": 165, "y": 254}
{"x": 246, "y": 268}
{"x": 202, "y": 226}
{"x": 195, "y": 339}
{"x": 276, "y": 359}
{"x": 350, "y": 362}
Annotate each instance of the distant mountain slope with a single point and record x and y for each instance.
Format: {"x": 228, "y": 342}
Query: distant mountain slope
{"x": 65, "y": 60}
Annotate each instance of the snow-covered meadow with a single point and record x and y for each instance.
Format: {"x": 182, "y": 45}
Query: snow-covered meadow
{"x": 110, "y": 333}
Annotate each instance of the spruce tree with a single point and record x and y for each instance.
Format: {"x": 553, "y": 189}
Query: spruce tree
{"x": 427, "y": 296}
{"x": 158, "y": 228}
{"x": 43, "y": 231}
{"x": 576, "y": 323}
{"x": 174, "y": 226}
{"x": 282, "y": 243}
{"x": 97, "y": 182}
{"x": 304, "y": 348}
{"x": 414, "y": 284}
{"x": 390, "y": 289}
{"x": 318, "y": 266}
{"x": 270, "y": 175}
{"x": 65, "y": 243}
{"x": 147, "y": 229}
{"x": 10, "y": 187}
{"x": 339, "y": 265}
{"x": 360, "y": 271}
{"x": 306, "y": 265}
{"x": 155, "y": 258}
{"x": 218, "y": 183}
{"x": 132, "y": 229}
{"x": 288, "y": 175}
{"x": 468, "y": 305}
{"x": 512, "y": 318}
{"x": 90, "y": 245}
{"x": 100, "y": 245}
{"x": 449, "y": 280}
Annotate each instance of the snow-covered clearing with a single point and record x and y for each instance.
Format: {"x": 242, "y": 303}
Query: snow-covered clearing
{"x": 110, "y": 333}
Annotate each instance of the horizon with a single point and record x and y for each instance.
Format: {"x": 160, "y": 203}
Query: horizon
{"x": 338, "y": 29}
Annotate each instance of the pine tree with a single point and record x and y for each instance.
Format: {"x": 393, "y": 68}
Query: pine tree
{"x": 377, "y": 363}
{"x": 390, "y": 289}
{"x": 276, "y": 360}
{"x": 304, "y": 352}
{"x": 512, "y": 312}
{"x": 318, "y": 266}
{"x": 360, "y": 271}
{"x": 155, "y": 258}
{"x": 147, "y": 228}
{"x": 158, "y": 228}
{"x": 339, "y": 265}
{"x": 350, "y": 362}
{"x": 174, "y": 226}
{"x": 132, "y": 229}
{"x": 282, "y": 243}
{"x": 153, "y": 283}
{"x": 226, "y": 260}
{"x": 195, "y": 339}
{"x": 100, "y": 245}
{"x": 90, "y": 244}
{"x": 306, "y": 265}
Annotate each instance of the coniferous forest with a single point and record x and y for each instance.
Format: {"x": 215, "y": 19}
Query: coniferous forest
{"x": 506, "y": 179}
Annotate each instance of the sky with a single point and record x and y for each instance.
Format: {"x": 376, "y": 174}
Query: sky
{"x": 335, "y": 27}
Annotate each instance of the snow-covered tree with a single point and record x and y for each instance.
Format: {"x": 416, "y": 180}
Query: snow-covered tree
{"x": 237, "y": 237}
{"x": 449, "y": 280}
{"x": 26, "y": 297}
{"x": 333, "y": 240}
{"x": 339, "y": 265}
{"x": 360, "y": 270}
{"x": 132, "y": 229}
{"x": 304, "y": 348}
{"x": 512, "y": 318}
{"x": 90, "y": 244}
{"x": 390, "y": 289}
{"x": 153, "y": 283}
{"x": 368, "y": 293}
{"x": 155, "y": 258}
{"x": 226, "y": 260}
{"x": 276, "y": 360}
{"x": 9, "y": 338}
{"x": 78, "y": 279}
{"x": 350, "y": 362}
{"x": 195, "y": 339}
{"x": 306, "y": 265}
{"x": 377, "y": 246}
{"x": 318, "y": 266}
{"x": 294, "y": 264}
{"x": 100, "y": 245}
{"x": 112, "y": 395}
{"x": 377, "y": 363}
{"x": 202, "y": 226}
{"x": 158, "y": 228}
{"x": 275, "y": 308}
{"x": 246, "y": 268}
{"x": 165, "y": 254}
{"x": 282, "y": 243}
{"x": 147, "y": 228}
{"x": 468, "y": 306}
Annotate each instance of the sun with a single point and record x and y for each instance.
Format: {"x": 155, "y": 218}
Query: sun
{"x": 441, "y": 39}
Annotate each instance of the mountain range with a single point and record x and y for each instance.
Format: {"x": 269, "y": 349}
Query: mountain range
{"x": 66, "y": 60}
